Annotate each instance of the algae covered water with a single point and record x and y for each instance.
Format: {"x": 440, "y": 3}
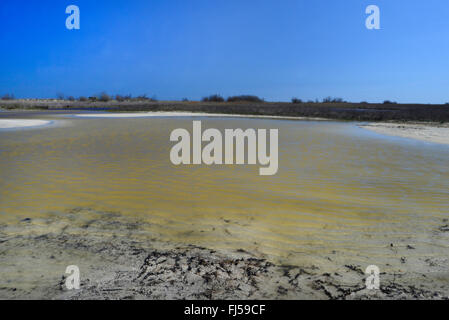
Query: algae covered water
{"x": 339, "y": 188}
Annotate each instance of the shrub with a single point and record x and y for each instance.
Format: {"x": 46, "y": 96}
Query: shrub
{"x": 104, "y": 97}
{"x": 332, "y": 100}
{"x": 213, "y": 98}
{"x": 83, "y": 99}
{"x": 185, "y": 100}
{"x": 389, "y": 102}
{"x": 8, "y": 97}
{"x": 144, "y": 97}
{"x": 71, "y": 98}
{"x": 93, "y": 99}
{"x": 296, "y": 100}
{"x": 119, "y": 98}
{"x": 246, "y": 98}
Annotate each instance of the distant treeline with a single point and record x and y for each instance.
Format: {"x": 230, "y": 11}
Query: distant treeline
{"x": 105, "y": 97}
{"x": 241, "y": 98}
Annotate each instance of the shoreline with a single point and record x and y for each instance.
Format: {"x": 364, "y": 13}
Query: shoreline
{"x": 119, "y": 260}
{"x": 22, "y": 123}
{"x": 155, "y": 114}
{"x": 422, "y": 131}
{"x": 428, "y": 132}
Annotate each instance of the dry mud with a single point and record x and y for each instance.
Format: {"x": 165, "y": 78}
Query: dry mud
{"x": 119, "y": 260}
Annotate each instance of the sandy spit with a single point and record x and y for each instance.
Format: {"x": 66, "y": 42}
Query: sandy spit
{"x": 21, "y": 123}
{"x": 183, "y": 114}
{"x": 424, "y": 132}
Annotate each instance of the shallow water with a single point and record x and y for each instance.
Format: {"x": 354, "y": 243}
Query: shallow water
{"x": 339, "y": 188}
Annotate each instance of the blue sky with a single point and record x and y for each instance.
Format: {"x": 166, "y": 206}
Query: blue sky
{"x": 274, "y": 49}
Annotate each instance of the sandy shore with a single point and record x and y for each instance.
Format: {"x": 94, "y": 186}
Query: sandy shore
{"x": 21, "y": 123}
{"x": 182, "y": 114}
{"x": 119, "y": 260}
{"x": 424, "y": 132}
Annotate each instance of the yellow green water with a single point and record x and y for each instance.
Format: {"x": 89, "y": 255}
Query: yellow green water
{"x": 338, "y": 188}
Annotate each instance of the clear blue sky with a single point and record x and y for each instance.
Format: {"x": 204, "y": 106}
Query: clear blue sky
{"x": 191, "y": 48}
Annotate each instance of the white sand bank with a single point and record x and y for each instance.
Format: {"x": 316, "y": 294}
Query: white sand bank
{"x": 182, "y": 114}
{"x": 424, "y": 132}
{"x": 21, "y": 123}
{"x": 136, "y": 114}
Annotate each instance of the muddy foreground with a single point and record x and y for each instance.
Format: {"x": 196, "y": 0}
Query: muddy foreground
{"x": 118, "y": 260}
